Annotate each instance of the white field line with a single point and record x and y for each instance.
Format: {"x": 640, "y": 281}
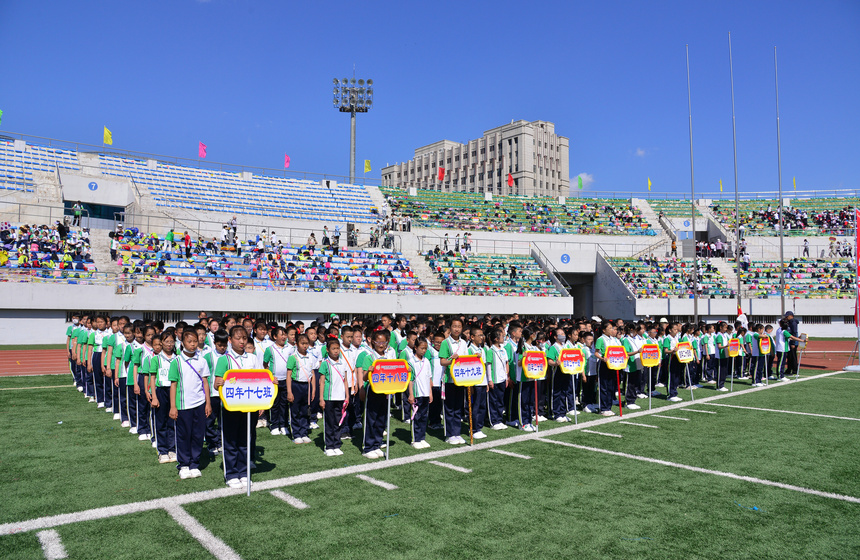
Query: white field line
{"x": 163, "y": 503}
{"x": 510, "y": 454}
{"x": 450, "y": 466}
{"x": 30, "y": 388}
{"x": 601, "y": 433}
{"x": 670, "y": 417}
{"x": 638, "y": 424}
{"x": 52, "y": 546}
{"x": 752, "y": 479}
{"x": 210, "y": 542}
{"x": 702, "y": 411}
{"x": 786, "y": 411}
{"x": 292, "y": 500}
{"x": 377, "y": 482}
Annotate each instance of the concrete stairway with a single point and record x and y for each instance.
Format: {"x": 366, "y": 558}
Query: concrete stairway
{"x": 100, "y": 245}
{"x": 726, "y": 269}
{"x": 424, "y": 273}
{"x": 377, "y": 197}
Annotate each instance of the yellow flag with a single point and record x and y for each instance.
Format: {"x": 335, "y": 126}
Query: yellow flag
{"x": 108, "y": 137}
{"x": 649, "y": 183}
{"x": 366, "y": 165}
{"x": 721, "y": 185}
{"x": 795, "y": 182}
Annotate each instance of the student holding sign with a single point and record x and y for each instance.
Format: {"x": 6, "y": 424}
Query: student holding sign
{"x": 633, "y": 370}
{"x": 676, "y": 368}
{"x": 561, "y": 394}
{"x": 497, "y": 370}
{"x": 479, "y": 394}
{"x": 453, "y": 395}
{"x": 375, "y": 404}
{"x": 526, "y": 409}
{"x": 606, "y": 377}
{"x": 721, "y": 343}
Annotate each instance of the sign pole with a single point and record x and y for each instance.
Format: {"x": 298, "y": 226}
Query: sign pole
{"x": 537, "y": 414}
{"x": 651, "y": 389}
{"x": 618, "y": 382}
{"x": 732, "y": 382}
{"x": 388, "y": 429}
{"x": 248, "y": 449}
{"x": 471, "y": 436}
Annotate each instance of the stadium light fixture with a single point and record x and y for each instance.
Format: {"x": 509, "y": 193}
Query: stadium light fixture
{"x": 351, "y": 96}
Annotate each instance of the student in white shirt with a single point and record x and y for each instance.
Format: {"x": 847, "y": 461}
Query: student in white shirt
{"x": 189, "y": 405}
{"x": 420, "y": 393}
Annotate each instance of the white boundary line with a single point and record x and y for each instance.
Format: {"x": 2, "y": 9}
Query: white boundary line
{"x": 601, "y": 433}
{"x": 702, "y": 411}
{"x": 752, "y": 479}
{"x": 376, "y": 482}
{"x": 292, "y": 500}
{"x": 50, "y": 521}
{"x": 30, "y": 388}
{"x": 450, "y": 466}
{"x": 786, "y": 411}
{"x": 52, "y": 546}
{"x": 510, "y": 454}
{"x": 638, "y": 424}
{"x": 670, "y": 417}
{"x": 210, "y": 542}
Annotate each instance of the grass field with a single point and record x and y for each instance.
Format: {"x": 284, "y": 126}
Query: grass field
{"x": 669, "y": 487}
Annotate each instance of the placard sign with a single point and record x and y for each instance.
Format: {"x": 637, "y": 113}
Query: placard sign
{"x": 734, "y": 347}
{"x": 764, "y": 345}
{"x": 388, "y": 377}
{"x": 650, "y": 355}
{"x": 534, "y": 364}
{"x": 248, "y": 390}
{"x": 684, "y": 352}
{"x": 616, "y": 357}
{"x": 802, "y": 344}
{"x": 467, "y": 371}
{"x": 571, "y": 361}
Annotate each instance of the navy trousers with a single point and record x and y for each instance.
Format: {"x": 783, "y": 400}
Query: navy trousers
{"x": 454, "y": 406}
{"x": 526, "y": 402}
{"x": 495, "y": 404}
{"x": 235, "y": 429}
{"x": 299, "y": 409}
{"x": 278, "y": 412}
{"x": 562, "y": 393}
{"x": 375, "y": 411}
{"x": 98, "y": 377}
{"x": 143, "y": 409}
{"x": 419, "y": 420}
{"x": 434, "y": 417}
{"x": 165, "y": 427}
{"x": 333, "y": 431}
{"x": 122, "y": 399}
{"x": 110, "y": 390}
{"x": 722, "y": 372}
{"x": 606, "y": 379}
{"x": 479, "y": 407}
{"x": 213, "y": 425}
{"x": 190, "y": 428}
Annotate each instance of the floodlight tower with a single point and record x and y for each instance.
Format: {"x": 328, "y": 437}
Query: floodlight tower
{"x": 351, "y": 96}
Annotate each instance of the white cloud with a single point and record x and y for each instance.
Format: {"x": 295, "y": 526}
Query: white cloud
{"x": 640, "y": 152}
{"x": 587, "y": 180}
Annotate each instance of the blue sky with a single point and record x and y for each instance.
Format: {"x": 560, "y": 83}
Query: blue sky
{"x": 253, "y": 80}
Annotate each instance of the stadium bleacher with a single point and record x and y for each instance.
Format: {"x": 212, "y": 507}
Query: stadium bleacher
{"x": 804, "y": 278}
{"x": 491, "y": 275}
{"x": 31, "y": 247}
{"x": 17, "y": 167}
{"x": 177, "y": 186}
{"x": 673, "y": 208}
{"x": 670, "y": 277}
{"x": 272, "y": 268}
{"x": 805, "y": 217}
{"x": 510, "y": 213}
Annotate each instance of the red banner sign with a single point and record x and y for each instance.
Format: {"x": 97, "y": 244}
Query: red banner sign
{"x": 571, "y": 361}
{"x": 534, "y": 364}
{"x": 616, "y": 357}
{"x": 388, "y": 377}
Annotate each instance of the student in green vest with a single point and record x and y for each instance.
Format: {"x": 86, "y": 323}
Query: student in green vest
{"x": 770, "y": 357}
{"x": 70, "y": 343}
{"x": 108, "y": 342}
{"x": 632, "y": 372}
{"x": 454, "y": 396}
{"x": 334, "y": 396}
{"x": 606, "y": 378}
{"x": 561, "y": 394}
{"x": 375, "y": 404}
{"x": 721, "y": 342}
{"x": 165, "y": 427}
{"x": 498, "y": 371}
{"x": 189, "y": 404}
{"x": 420, "y": 393}
{"x": 122, "y": 351}
{"x": 301, "y": 389}
{"x": 214, "y": 352}
{"x": 758, "y": 368}
{"x": 479, "y": 392}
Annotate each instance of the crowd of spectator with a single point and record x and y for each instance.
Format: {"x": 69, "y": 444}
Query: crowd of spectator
{"x": 54, "y": 247}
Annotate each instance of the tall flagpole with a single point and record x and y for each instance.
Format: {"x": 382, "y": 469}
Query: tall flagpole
{"x": 737, "y": 205}
{"x": 693, "y": 200}
{"x": 779, "y": 176}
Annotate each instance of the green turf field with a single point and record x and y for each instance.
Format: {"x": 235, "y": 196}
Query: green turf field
{"x": 560, "y": 502}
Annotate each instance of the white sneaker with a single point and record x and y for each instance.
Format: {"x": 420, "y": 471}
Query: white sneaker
{"x": 299, "y": 440}
{"x": 407, "y": 421}
{"x": 184, "y": 473}
{"x": 660, "y": 385}
{"x": 109, "y": 409}
{"x": 541, "y": 418}
{"x": 330, "y": 453}
{"x": 154, "y": 445}
{"x": 528, "y": 428}
{"x": 641, "y": 396}
{"x": 276, "y": 432}
{"x": 125, "y": 424}
{"x": 283, "y": 431}
{"x": 306, "y": 439}
{"x": 370, "y": 455}
{"x": 260, "y": 423}
{"x": 163, "y": 459}
{"x": 172, "y": 456}
{"x": 712, "y": 382}
{"x": 244, "y": 480}
{"x": 143, "y": 437}
{"x": 100, "y": 405}
{"x": 562, "y": 419}
{"x": 423, "y": 443}
{"x": 234, "y": 483}
{"x": 379, "y": 453}
{"x": 338, "y": 451}
{"x": 479, "y": 435}
{"x": 80, "y": 389}
{"x": 633, "y": 406}
{"x": 499, "y": 426}
{"x": 607, "y": 413}
{"x": 453, "y": 440}
{"x": 416, "y": 445}
{"x": 117, "y": 416}
{"x": 315, "y": 426}
{"x": 195, "y": 473}
{"x": 91, "y": 399}
{"x": 723, "y": 390}
{"x": 675, "y": 399}
{"x": 319, "y": 415}
{"x": 133, "y": 430}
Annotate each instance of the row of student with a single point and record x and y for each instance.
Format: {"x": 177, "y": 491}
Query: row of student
{"x": 135, "y": 371}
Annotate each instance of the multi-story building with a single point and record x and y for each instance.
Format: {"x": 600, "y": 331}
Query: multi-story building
{"x": 531, "y": 152}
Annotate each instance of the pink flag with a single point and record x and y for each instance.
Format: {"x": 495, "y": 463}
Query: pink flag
{"x": 201, "y": 150}
{"x": 286, "y": 161}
